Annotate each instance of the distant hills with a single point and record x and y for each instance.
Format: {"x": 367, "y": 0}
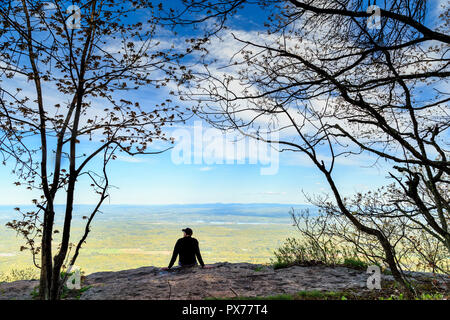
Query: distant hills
{"x": 209, "y": 212}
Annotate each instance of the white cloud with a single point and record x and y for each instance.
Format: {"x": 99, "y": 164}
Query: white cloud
{"x": 130, "y": 159}
{"x": 272, "y": 193}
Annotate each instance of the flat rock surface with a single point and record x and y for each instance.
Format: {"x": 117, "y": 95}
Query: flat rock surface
{"x": 221, "y": 281}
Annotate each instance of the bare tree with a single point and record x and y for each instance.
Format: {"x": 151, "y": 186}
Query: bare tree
{"x": 65, "y": 78}
{"x": 333, "y": 86}
{"x": 415, "y": 248}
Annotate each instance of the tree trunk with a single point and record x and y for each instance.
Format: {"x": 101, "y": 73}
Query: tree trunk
{"x": 387, "y": 247}
{"x": 46, "y": 255}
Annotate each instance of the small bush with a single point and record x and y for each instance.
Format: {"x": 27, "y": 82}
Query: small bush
{"x": 280, "y": 265}
{"x": 35, "y": 293}
{"x": 355, "y": 263}
{"x": 19, "y": 274}
{"x": 294, "y": 251}
{"x": 307, "y": 252}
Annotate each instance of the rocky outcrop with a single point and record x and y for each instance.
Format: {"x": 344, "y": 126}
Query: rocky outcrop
{"x": 221, "y": 281}
{"x": 17, "y": 290}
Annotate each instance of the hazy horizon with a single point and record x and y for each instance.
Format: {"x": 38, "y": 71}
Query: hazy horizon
{"x": 129, "y": 236}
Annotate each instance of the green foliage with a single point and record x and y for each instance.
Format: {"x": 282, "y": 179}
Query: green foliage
{"x": 72, "y": 293}
{"x": 430, "y": 296}
{"x": 279, "y": 297}
{"x": 301, "y": 295}
{"x": 19, "y": 274}
{"x": 63, "y": 273}
{"x": 337, "y": 295}
{"x": 423, "y": 292}
{"x": 35, "y": 293}
{"x": 355, "y": 263}
{"x": 308, "y": 252}
{"x": 83, "y": 289}
{"x": 280, "y": 265}
{"x": 295, "y": 251}
{"x": 316, "y": 294}
{"x": 274, "y": 297}
{"x": 387, "y": 272}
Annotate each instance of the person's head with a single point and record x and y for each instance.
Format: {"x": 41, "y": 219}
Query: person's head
{"x": 187, "y": 232}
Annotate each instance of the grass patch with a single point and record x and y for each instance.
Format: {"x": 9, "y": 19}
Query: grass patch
{"x": 423, "y": 296}
{"x": 259, "y": 268}
{"x": 281, "y": 264}
{"x": 274, "y": 297}
{"x": 74, "y": 294}
{"x": 390, "y": 291}
{"x": 319, "y": 295}
{"x": 66, "y": 294}
{"x": 341, "y": 295}
{"x": 302, "y": 295}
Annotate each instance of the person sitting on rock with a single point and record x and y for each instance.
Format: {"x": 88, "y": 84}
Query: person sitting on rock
{"x": 188, "y": 250}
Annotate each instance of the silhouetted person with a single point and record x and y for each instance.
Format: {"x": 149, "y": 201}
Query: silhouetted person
{"x": 188, "y": 251}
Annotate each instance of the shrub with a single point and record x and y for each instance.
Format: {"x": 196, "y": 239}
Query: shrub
{"x": 308, "y": 252}
{"x": 19, "y": 274}
{"x": 355, "y": 263}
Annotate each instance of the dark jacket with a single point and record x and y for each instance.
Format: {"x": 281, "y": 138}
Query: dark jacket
{"x": 188, "y": 249}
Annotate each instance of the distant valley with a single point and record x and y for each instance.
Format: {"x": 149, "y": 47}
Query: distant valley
{"x": 129, "y": 236}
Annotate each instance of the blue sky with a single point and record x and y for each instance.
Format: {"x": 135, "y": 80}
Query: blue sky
{"x": 156, "y": 179}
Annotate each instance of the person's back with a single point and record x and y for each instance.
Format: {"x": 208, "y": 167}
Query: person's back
{"x": 188, "y": 250}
